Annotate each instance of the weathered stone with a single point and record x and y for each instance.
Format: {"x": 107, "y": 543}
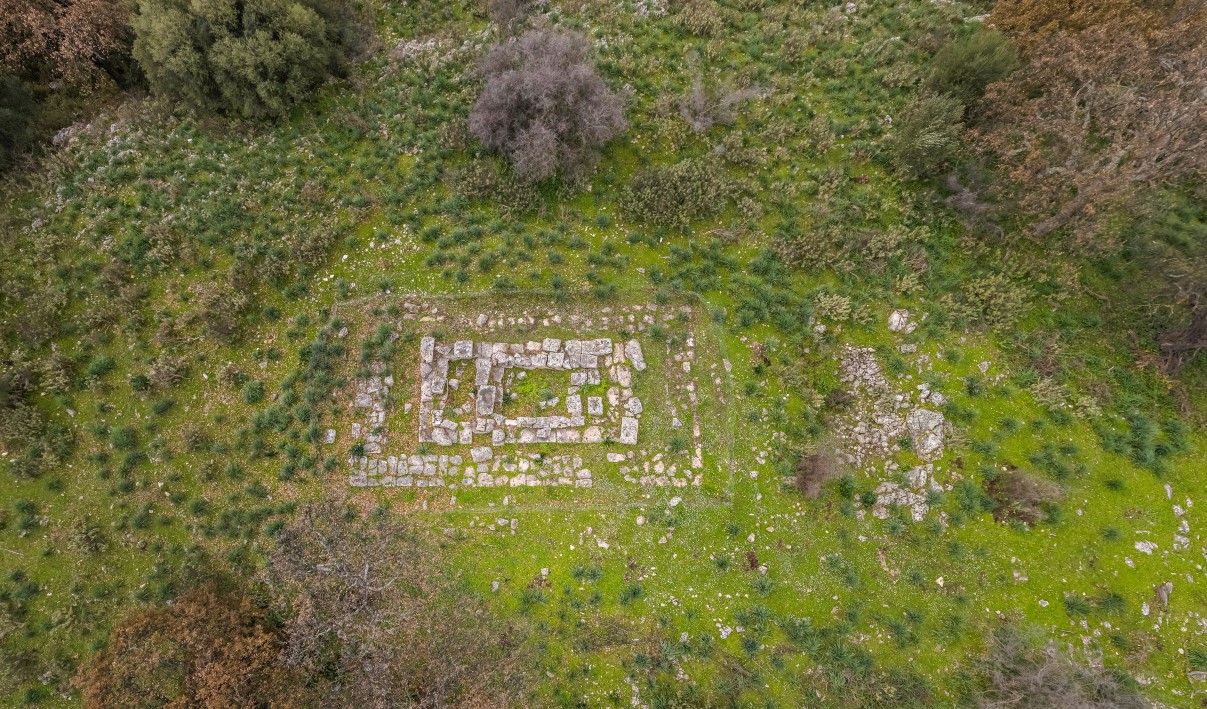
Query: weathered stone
{"x": 601, "y": 346}
{"x": 481, "y": 454}
{"x": 926, "y": 429}
{"x": 632, "y": 350}
{"x": 486, "y": 400}
{"x": 595, "y": 406}
{"x": 628, "y": 430}
{"x": 427, "y": 348}
{"x": 551, "y": 345}
{"x": 899, "y": 321}
{"x": 462, "y": 349}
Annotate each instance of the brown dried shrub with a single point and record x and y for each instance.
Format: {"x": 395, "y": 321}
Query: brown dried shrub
{"x": 545, "y": 105}
{"x": 1021, "y": 496}
{"x": 815, "y": 468}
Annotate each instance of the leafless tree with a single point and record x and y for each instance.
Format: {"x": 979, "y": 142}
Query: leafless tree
{"x": 1021, "y": 675}
{"x": 1096, "y": 113}
{"x": 704, "y": 106}
{"x": 374, "y": 608}
{"x": 545, "y": 105}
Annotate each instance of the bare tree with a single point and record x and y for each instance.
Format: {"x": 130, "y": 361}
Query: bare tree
{"x": 374, "y": 609}
{"x": 1097, "y": 112}
{"x": 1022, "y": 675}
{"x": 545, "y": 105}
{"x": 704, "y": 106}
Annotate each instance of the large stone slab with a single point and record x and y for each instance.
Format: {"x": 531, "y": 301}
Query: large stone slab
{"x": 628, "y": 431}
{"x": 632, "y": 351}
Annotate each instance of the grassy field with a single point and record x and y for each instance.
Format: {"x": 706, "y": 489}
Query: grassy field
{"x": 193, "y": 266}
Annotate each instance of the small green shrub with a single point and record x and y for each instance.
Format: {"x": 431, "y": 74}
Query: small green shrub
{"x": 926, "y": 135}
{"x": 675, "y": 195}
{"x": 965, "y": 67}
{"x": 253, "y": 392}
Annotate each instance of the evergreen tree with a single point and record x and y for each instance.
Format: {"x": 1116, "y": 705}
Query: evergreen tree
{"x": 251, "y": 58}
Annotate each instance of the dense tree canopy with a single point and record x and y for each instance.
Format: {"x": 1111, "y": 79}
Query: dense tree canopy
{"x": 1102, "y": 105}
{"x": 60, "y": 39}
{"x": 254, "y": 59}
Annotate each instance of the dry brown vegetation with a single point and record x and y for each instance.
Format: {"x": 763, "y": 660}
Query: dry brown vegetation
{"x": 1020, "y": 674}
{"x": 545, "y": 105}
{"x": 378, "y": 618}
{"x": 1019, "y": 495}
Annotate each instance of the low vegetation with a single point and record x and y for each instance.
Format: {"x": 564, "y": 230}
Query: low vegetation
{"x": 920, "y": 288}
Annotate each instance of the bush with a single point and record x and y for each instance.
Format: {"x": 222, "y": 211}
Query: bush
{"x": 252, "y": 59}
{"x": 703, "y": 106}
{"x": 545, "y": 106}
{"x": 926, "y": 134}
{"x": 17, "y": 112}
{"x": 965, "y": 67}
{"x": 673, "y": 195}
{"x": 210, "y": 648}
{"x": 1021, "y": 496}
{"x": 1019, "y": 672}
{"x": 815, "y": 469}
{"x": 701, "y": 17}
{"x": 253, "y": 392}
{"x": 506, "y": 12}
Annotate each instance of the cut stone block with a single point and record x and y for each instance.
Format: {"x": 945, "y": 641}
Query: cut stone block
{"x": 628, "y": 430}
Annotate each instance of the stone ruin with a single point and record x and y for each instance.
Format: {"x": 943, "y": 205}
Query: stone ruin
{"x": 463, "y": 386}
{"x": 580, "y": 422}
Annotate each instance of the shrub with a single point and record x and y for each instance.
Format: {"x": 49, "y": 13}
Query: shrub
{"x": 253, "y": 392}
{"x": 992, "y": 301}
{"x": 1021, "y": 496}
{"x": 251, "y": 59}
{"x": 1019, "y": 672}
{"x": 703, "y": 106}
{"x": 926, "y": 134}
{"x": 17, "y": 112}
{"x": 674, "y": 195}
{"x": 210, "y": 647}
{"x": 545, "y": 105}
{"x": 815, "y": 469}
{"x": 506, "y": 12}
{"x": 965, "y": 67}
{"x": 701, "y": 17}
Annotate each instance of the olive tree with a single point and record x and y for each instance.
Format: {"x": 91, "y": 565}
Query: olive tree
{"x": 250, "y": 58}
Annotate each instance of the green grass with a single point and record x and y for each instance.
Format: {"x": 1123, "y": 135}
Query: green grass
{"x": 320, "y": 211}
